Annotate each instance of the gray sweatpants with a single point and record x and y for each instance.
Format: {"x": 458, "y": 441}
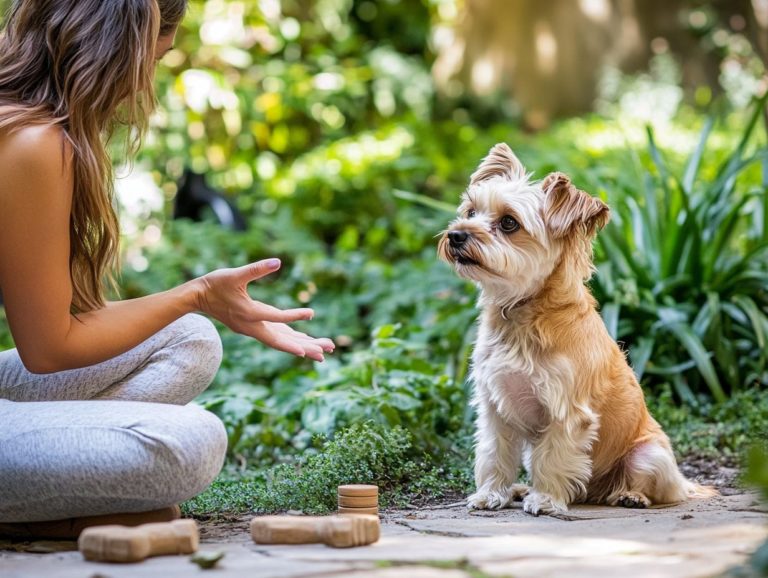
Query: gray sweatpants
{"x": 112, "y": 437}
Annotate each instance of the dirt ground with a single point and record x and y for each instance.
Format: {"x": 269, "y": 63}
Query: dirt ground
{"x": 721, "y": 473}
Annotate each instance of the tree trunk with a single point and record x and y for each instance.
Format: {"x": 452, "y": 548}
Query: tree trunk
{"x": 549, "y": 54}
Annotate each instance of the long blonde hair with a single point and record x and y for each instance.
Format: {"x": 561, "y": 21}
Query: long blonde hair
{"x": 86, "y": 66}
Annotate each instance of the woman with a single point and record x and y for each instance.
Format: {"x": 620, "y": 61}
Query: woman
{"x": 93, "y": 418}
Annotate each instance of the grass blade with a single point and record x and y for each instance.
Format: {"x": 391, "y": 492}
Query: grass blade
{"x": 692, "y": 168}
{"x": 660, "y": 165}
{"x": 639, "y": 354}
{"x": 737, "y": 152}
{"x": 700, "y": 356}
{"x": 756, "y": 317}
{"x": 723, "y": 186}
{"x": 708, "y": 319}
{"x": 764, "y": 185}
{"x": 683, "y": 390}
{"x": 650, "y": 193}
{"x": 759, "y": 106}
{"x": 425, "y": 201}
{"x": 723, "y": 231}
{"x": 671, "y": 369}
{"x": 610, "y": 314}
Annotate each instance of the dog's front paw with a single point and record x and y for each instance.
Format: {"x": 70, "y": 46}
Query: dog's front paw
{"x": 633, "y": 500}
{"x": 485, "y": 500}
{"x": 494, "y": 499}
{"x": 537, "y": 503}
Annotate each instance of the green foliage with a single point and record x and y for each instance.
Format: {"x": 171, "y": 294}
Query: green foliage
{"x": 284, "y": 78}
{"x": 683, "y": 278}
{"x": 390, "y": 458}
{"x": 362, "y": 453}
{"x": 403, "y": 330}
{"x": 406, "y": 326}
{"x": 757, "y": 468}
{"x": 709, "y": 429}
{"x": 323, "y": 127}
{"x": 392, "y": 381}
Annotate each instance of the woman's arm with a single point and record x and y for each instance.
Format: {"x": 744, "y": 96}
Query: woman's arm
{"x": 35, "y": 202}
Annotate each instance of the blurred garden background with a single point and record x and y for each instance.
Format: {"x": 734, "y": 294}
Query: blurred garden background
{"x": 345, "y": 131}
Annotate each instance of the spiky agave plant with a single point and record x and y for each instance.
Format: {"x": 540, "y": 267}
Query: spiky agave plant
{"x": 684, "y": 274}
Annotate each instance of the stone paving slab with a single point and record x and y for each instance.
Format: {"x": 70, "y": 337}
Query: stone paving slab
{"x": 627, "y": 523}
{"x": 238, "y": 562}
{"x": 697, "y": 539}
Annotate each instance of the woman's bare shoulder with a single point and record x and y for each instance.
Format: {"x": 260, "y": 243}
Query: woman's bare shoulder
{"x": 34, "y": 144}
{"x": 35, "y": 161}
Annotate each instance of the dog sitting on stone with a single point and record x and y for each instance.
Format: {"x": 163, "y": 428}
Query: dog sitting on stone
{"x": 552, "y": 390}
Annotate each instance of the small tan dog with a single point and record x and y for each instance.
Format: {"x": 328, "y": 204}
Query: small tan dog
{"x": 551, "y": 388}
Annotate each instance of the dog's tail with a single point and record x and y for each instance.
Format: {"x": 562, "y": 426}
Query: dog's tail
{"x": 654, "y": 463}
{"x": 696, "y": 491}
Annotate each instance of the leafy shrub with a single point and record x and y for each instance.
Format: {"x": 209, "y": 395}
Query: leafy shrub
{"x": 683, "y": 278}
{"x": 391, "y": 383}
{"x": 362, "y": 453}
{"x": 281, "y": 79}
{"x": 709, "y": 429}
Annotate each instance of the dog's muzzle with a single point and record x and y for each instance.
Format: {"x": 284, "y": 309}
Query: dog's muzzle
{"x": 457, "y": 238}
{"x": 457, "y": 241}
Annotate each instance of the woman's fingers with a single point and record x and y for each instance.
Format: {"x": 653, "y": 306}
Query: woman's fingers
{"x": 264, "y": 332}
{"x": 314, "y": 353}
{"x": 323, "y": 343}
{"x": 257, "y": 270}
{"x": 280, "y": 336}
{"x": 223, "y": 295}
{"x": 264, "y": 312}
{"x": 285, "y": 345}
{"x": 326, "y": 344}
{"x": 297, "y": 347}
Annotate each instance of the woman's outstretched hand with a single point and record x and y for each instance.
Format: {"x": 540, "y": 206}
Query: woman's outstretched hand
{"x": 223, "y": 294}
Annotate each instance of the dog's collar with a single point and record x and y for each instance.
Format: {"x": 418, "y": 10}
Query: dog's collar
{"x": 516, "y": 305}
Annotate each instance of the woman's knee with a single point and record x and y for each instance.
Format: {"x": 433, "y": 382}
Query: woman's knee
{"x": 104, "y": 457}
{"x": 205, "y": 450}
{"x": 201, "y": 346}
{"x": 188, "y": 449}
{"x": 201, "y": 332}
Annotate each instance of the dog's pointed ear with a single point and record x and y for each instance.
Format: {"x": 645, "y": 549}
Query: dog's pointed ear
{"x": 500, "y": 162}
{"x": 566, "y": 208}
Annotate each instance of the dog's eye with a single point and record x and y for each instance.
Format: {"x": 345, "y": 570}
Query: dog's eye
{"x": 509, "y": 224}
{"x": 471, "y": 213}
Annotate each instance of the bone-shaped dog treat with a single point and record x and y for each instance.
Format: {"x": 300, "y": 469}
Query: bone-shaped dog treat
{"x": 336, "y": 531}
{"x": 133, "y": 544}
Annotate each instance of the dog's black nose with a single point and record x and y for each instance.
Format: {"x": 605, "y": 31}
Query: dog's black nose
{"x": 457, "y": 238}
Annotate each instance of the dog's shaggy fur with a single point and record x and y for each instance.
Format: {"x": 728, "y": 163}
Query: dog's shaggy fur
{"x": 551, "y": 388}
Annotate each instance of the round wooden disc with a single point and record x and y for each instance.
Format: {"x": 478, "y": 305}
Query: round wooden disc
{"x": 358, "y": 490}
{"x": 344, "y": 510}
{"x": 359, "y": 501}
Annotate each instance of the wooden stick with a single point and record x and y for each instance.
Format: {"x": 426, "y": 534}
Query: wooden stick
{"x": 133, "y": 544}
{"x": 336, "y": 531}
